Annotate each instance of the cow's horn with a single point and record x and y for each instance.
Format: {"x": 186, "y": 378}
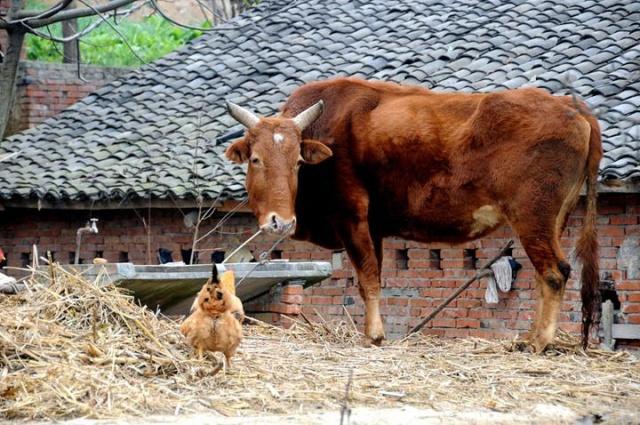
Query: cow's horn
{"x": 242, "y": 115}
{"x": 305, "y": 118}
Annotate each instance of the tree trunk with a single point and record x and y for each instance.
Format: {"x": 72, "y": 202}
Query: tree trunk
{"x": 8, "y": 72}
{"x": 70, "y": 48}
{"x": 9, "y": 68}
{"x": 223, "y": 10}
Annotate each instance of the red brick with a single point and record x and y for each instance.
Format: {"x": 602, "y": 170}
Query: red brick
{"x": 480, "y": 314}
{"x": 608, "y": 252}
{"x": 415, "y": 311}
{"x": 452, "y": 264}
{"x": 435, "y": 332}
{"x": 631, "y": 308}
{"x": 472, "y": 303}
{"x": 454, "y": 313}
{"x": 431, "y": 292}
{"x": 316, "y": 299}
{"x": 624, "y": 219}
{"x": 329, "y": 291}
{"x": 450, "y": 253}
{"x": 612, "y": 231}
{"x": 456, "y": 333}
{"x": 467, "y": 323}
{"x": 292, "y": 299}
{"x": 632, "y": 298}
{"x": 419, "y": 302}
{"x": 397, "y": 301}
{"x": 293, "y": 290}
{"x": 418, "y": 253}
{"x": 628, "y": 285}
{"x": 443, "y": 323}
{"x": 632, "y": 230}
{"x": 284, "y": 308}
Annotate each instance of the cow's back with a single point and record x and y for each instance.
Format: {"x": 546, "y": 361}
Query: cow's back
{"x": 428, "y": 161}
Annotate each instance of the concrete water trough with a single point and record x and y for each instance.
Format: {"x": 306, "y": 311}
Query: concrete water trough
{"x": 171, "y": 288}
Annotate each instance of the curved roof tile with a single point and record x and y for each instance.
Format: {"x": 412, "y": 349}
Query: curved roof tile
{"x": 141, "y": 130}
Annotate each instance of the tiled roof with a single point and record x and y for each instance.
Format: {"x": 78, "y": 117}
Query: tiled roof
{"x": 137, "y": 135}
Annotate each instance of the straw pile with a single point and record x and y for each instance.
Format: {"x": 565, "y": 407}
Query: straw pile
{"x": 70, "y": 348}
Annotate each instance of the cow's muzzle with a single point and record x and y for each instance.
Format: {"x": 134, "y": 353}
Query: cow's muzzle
{"x": 278, "y": 225}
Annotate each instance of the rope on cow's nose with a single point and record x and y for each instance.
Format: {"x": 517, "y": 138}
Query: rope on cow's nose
{"x": 242, "y": 245}
{"x": 263, "y": 258}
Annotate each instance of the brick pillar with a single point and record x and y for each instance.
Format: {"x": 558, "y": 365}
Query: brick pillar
{"x": 285, "y": 299}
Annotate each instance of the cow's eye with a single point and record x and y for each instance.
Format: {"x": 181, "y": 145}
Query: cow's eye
{"x": 255, "y": 160}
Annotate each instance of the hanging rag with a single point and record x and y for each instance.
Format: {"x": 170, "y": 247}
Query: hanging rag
{"x": 7, "y": 284}
{"x": 504, "y": 272}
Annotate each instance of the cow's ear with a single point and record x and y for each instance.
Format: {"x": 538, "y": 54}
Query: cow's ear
{"x": 239, "y": 151}
{"x": 314, "y": 152}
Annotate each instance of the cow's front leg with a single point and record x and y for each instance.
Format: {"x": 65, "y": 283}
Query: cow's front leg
{"x": 362, "y": 251}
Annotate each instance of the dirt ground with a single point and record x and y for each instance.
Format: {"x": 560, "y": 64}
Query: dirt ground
{"x": 542, "y": 414}
{"x": 72, "y": 348}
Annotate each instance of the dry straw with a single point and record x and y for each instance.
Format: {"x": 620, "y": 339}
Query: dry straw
{"x": 69, "y": 348}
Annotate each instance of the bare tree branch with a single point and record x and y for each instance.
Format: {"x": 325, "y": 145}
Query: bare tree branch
{"x": 203, "y": 9}
{"x": 86, "y": 30}
{"x": 27, "y": 14}
{"x": 69, "y": 14}
{"x": 155, "y": 5}
{"x": 75, "y": 36}
{"x": 114, "y": 27}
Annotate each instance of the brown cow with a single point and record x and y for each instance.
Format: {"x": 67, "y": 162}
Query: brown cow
{"x": 430, "y": 167}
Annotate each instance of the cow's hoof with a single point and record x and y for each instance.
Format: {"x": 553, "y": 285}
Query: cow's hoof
{"x": 375, "y": 338}
{"x": 539, "y": 347}
{"x": 367, "y": 341}
{"x": 377, "y": 341}
{"x": 540, "y": 341}
{"x": 521, "y": 346}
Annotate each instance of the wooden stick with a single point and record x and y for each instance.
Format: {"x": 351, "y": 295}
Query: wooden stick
{"x": 483, "y": 272}
{"x": 324, "y": 324}
{"x": 355, "y": 328}
{"x": 306, "y": 319}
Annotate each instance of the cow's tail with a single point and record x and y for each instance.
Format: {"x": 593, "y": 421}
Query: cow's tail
{"x": 587, "y": 248}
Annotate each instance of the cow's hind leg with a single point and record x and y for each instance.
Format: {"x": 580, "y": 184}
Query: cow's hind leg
{"x": 552, "y": 273}
{"x": 363, "y": 252}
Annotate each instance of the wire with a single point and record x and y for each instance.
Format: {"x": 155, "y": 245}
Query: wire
{"x": 226, "y": 217}
{"x": 242, "y": 245}
{"x": 262, "y": 259}
{"x": 82, "y": 33}
{"x": 115, "y": 28}
{"x": 43, "y": 15}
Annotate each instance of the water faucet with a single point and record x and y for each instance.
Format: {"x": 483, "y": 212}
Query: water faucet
{"x": 90, "y": 227}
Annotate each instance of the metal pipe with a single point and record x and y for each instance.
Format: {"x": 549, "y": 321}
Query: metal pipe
{"x": 90, "y": 227}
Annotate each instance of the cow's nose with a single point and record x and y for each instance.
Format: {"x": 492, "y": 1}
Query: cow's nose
{"x": 277, "y": 224}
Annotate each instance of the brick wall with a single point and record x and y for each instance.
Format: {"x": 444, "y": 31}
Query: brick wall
{"x": 45, "y": 89}
{"x": 414, "y": 280}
